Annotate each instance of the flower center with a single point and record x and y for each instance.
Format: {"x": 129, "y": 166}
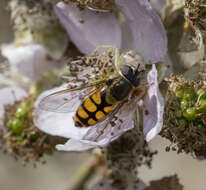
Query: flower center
{"x": 96, "y": 5}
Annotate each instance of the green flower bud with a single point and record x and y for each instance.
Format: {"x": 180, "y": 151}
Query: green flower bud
{"x": 190, "y": 113}
{"x": 20, "y": 113}
{"x": 179, "y": 93}
{"x": 184, "y": 103}
{"x": 17, "y": 126}
{"x": 22, "y": 110}
{"x": 188, "y": 94}
{"x": 9, "y": 125}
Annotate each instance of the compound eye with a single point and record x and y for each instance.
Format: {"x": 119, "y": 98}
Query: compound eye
{"x": 126, "y": 71}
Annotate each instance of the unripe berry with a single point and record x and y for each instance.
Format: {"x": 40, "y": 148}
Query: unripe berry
{"x": 17, "y": 126}
{"x": 179, "y": 93}
{"x": 190, "y": 113}
{"x": 184, "y": 103}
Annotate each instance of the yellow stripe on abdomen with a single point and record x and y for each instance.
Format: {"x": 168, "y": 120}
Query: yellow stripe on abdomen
{"x": 82, "y": 113}
{"x": 91, "y": 121}
{"x": 96, "y": 97}
{"x": 107, "y": 109}
{"x": 99, "y": 115}
{"x": 89, "y": 105}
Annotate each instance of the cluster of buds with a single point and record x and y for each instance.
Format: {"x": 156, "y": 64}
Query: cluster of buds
{"x": 195, "y": 15}
{"x": 185, "y": 115}
{"x": 19, "y": 136}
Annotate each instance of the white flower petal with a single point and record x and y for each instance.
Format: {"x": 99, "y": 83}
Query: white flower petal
{"x": 106, "y": 184}
{"x": 76, "y": 145}
{"x": 153, "y": 107}
{"x": 57, "y": 124}
{"x": 29, "y": 60}
{"x": 149, "y": 36}
{"x": 9, "y": 96}
{"x": 92, "y": 137}
{"x": 97, "y": 29}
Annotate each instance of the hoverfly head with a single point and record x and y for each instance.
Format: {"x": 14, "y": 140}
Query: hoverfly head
{"x": 132, "y": 74}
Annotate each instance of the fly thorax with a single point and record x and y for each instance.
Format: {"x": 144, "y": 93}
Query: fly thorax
{"x": 120, "y": 89}
{"x": 109, "y": 98}
{"x": 131, "y": 74}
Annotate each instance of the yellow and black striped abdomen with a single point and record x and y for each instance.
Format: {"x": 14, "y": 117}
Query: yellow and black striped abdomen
{"x": 93, "y": 109}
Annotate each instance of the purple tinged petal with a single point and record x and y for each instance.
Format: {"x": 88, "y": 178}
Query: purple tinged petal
{"x": 149, "y": 36}
{"x": 97, "y": 29}
{"x": 75, "y": 145}
{"x": 153, "y": 107}
{"x": 57, "y": 124}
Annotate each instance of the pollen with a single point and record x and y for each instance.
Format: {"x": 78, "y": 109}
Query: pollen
{"x": 89, "y": 105}
{"x": 100, "y": 115}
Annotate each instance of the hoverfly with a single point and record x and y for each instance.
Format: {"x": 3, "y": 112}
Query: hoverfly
{"x": 108, "y": 85}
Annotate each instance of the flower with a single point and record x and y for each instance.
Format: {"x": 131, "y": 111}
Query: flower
{"x": 39, "y": 40}
{"x": 62, "y": 124}
{"x": 142, "y": 30}
{"x": 30, "y": 60}
{"x": 150, "y": 42}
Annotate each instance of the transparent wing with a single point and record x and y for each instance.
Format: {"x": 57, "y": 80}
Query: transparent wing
{"x": 115, "y": 124}
{"x": 68, "y": 100}
{"x": 86, "y": 74}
